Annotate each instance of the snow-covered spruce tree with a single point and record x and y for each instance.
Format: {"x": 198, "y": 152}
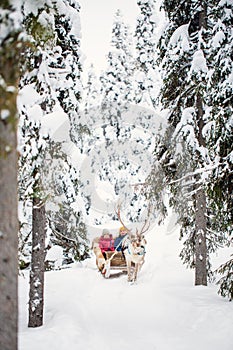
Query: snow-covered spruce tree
{"x": 64, "y": 71}
{"x": 11, "y": 46}
{"x": 34, "y": 144}
{"x": 66, "y": 63}
{"x": 42, "y": 82}
{"x": 147, "y": 77}
{"x": 220, "y": 134}
{"x": 117, "y": 80}
{"x": 182, "y": 153}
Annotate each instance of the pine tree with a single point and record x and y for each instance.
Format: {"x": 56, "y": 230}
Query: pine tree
{"x": 118, "y": 79}
{"x": 35, "y": 144}
{"x": 194, "y": 153}
{"x": 147, "y": 77}
{"x": 49, "y": 80}
{"x": 65, "y": 67}
{"x": 183, "y": 152}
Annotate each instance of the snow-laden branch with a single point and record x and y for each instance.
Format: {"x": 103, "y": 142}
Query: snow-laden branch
{"x": 199, "y": 171}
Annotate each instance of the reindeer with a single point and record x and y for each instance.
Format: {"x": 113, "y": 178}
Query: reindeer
{"x": 133, "y": 247}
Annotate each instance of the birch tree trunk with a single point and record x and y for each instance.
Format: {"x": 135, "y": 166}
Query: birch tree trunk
{"x": 36, "y": 294}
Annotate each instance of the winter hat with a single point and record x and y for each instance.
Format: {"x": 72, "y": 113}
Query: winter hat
{"x": 122, "y": 228}
{"x": 105, "y": 232}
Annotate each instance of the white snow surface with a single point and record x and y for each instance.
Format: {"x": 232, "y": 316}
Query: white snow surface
{"x": 162, "y": 311}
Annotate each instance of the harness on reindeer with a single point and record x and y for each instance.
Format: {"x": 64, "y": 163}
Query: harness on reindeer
{"x": 139, "y": 250}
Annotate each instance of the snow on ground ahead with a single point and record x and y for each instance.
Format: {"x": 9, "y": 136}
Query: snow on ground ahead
{"x": 163, "y": 311}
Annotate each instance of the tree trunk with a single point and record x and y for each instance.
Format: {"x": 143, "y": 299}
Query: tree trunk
{"x": 200, "y": 219}
{"x": 36, "y": 294}
{"x": 8, "y": 237}
{"x": 200, "y": 239}
{"x": 9, "y": 73}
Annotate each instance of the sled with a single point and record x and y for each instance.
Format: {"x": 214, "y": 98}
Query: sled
{"x": 112, "y": 263}
{"x": 115, "y": 264}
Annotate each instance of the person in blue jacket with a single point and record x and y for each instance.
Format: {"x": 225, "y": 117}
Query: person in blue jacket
{"x": 117, "y": 242}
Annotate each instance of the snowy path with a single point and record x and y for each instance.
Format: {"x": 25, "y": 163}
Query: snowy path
{"x": 163, "y": 311}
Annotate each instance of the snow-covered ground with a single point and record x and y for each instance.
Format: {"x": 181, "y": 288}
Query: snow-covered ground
{"x": 163, "y": 311}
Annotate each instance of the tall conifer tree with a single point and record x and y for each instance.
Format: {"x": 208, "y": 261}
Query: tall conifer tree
{"x": 35, "y": 144}
{"x": 117, "y": 80}
{"x": 147, "y": 77}
{"x": 50, "y": 78}
{"x": 183, "y": 153}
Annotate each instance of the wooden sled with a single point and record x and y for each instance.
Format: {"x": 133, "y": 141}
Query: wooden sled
{"x": 115, "y": 264}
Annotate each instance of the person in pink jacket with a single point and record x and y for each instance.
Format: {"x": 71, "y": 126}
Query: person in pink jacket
{"x": 106, "y": 242}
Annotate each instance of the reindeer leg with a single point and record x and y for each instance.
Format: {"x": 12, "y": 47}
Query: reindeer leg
{"x": 136, "y": 272}
{"x": 129, "y": 270}
{"x": 132, "y": 273}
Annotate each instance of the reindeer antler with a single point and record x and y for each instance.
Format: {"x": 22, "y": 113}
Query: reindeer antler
{"x": 146, "y": 224}
{"x": 118, "y": 212}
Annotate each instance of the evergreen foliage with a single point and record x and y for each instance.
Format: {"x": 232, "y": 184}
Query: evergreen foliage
{"x": 91, "y": 109}
{"x": 226, "y": 281}
{"x": 65, "y": 65}
{"x": 117, "y": 80}
{"x": 147, "y": 77}
{"x": 50, "y": 68}
{"x": 194, "y": 153}
{"x": 69, "y": 232}
{"x": 181, "y": 151}
{"x": 220, "y": 134}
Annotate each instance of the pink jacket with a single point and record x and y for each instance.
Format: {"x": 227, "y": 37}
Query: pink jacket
{"x": 106, "y": 244}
